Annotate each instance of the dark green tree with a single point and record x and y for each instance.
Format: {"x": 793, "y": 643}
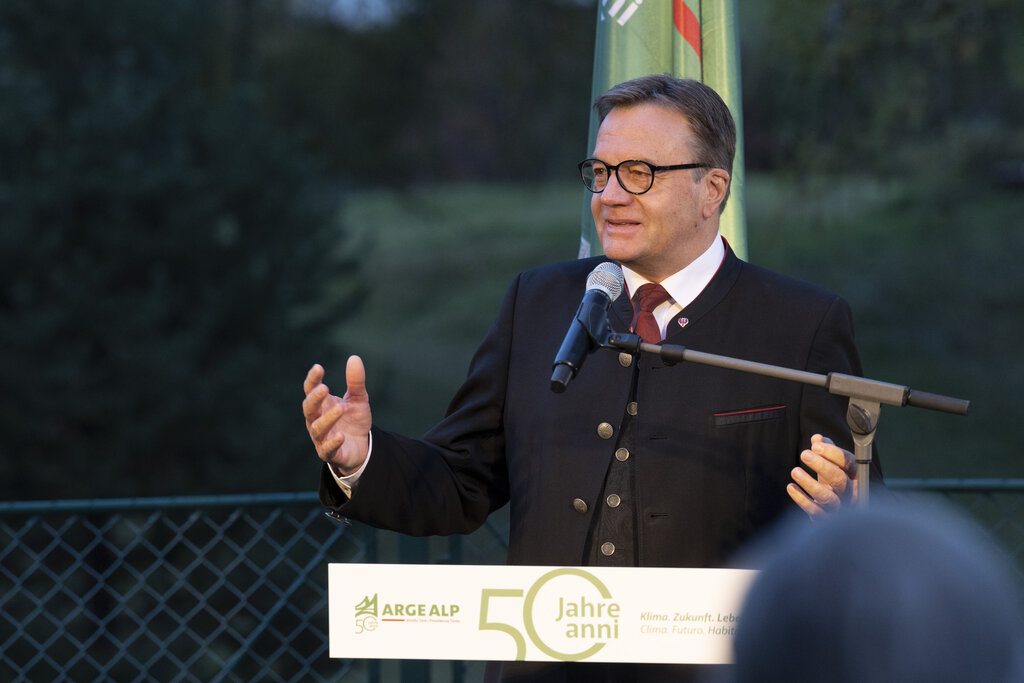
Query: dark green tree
{"x": 931, "y": 87}
{"x": 446, "y": 90}
{"x": 169, "y": 260}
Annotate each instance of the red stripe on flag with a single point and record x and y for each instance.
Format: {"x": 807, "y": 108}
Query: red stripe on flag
{"x": 687, "y": 24}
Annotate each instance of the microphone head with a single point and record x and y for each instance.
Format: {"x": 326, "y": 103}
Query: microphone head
{"x": 607, "y": 277}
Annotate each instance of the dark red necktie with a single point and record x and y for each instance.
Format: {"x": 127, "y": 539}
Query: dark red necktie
{"x": 647, "y": 298}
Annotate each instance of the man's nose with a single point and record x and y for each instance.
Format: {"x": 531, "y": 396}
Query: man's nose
{"x": 613, "y": 192}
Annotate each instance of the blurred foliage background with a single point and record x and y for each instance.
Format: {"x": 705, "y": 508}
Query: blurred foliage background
{"x": 201, "y": 198}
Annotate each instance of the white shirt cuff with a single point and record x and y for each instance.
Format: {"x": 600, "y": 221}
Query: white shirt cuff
{"x": 347, "y": 483}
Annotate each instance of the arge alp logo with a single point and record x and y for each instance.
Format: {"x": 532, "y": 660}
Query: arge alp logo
{"x": 369, "y": 616}
{"x": 568, "y": 614}
{"x": 366, "y": 614}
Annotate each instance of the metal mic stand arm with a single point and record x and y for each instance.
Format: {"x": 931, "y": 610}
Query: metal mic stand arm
{"x": 866, "y": 395}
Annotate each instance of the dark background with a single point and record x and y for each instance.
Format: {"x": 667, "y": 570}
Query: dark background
{"x": 181, "y": 185}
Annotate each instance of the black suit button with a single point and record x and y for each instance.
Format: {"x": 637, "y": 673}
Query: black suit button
{"x": 579, "y": 505}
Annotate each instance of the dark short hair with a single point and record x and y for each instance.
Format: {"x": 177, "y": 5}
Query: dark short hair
{"x": 709, "y": 117}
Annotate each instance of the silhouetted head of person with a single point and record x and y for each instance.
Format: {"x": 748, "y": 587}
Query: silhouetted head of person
{"x": 908, "y": 592}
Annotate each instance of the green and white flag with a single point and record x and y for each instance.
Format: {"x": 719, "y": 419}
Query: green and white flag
{"x": 687, "y": 38}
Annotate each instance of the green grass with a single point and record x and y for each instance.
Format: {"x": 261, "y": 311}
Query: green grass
{"x": 933, "y": 279}
{"x": 438, "y": 262}
{"x": 937, "y": 292}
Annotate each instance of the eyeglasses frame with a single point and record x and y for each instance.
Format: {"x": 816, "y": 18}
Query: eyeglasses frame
{"x": 615, "y": 168}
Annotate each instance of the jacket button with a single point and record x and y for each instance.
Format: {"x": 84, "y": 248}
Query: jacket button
{"x": 613, "y": 501}
{"x": 607, "y": 549}
{"x": 631, "y": 408}
{"x": 605, "y": 430}
{"x": 622, "y": 454}
{"x": 625, "y": 359}
{"x": 579, "y": 505}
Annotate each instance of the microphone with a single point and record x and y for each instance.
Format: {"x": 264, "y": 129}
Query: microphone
{"x": 589, "y": 327}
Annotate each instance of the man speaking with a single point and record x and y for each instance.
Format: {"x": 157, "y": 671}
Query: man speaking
{"x": 636, "y": 462}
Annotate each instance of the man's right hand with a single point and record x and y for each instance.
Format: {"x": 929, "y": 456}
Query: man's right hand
{"x": 339, "y": 427}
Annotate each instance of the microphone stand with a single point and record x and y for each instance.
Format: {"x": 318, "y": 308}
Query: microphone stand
{"x": 866, "y": 395}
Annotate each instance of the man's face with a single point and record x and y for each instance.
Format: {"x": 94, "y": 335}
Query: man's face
{"x": 661, "y": 231}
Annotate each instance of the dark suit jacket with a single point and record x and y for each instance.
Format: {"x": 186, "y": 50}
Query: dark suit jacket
{"x": 714, "y": 447}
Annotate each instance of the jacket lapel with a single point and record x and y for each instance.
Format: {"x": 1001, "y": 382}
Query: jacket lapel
{"x": 709, "y": 298}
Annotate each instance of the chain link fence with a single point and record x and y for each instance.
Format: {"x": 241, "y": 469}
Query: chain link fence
{"x": 234, "y": 588}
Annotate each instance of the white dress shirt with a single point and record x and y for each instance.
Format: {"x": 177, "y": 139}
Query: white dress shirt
{"x": 682, "y": 286}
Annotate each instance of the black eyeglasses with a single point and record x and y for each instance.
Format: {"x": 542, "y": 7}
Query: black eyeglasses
{"x": 635, "y": 176}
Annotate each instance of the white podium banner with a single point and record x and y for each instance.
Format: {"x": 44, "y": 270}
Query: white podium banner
{"x": 496, "y": 612}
